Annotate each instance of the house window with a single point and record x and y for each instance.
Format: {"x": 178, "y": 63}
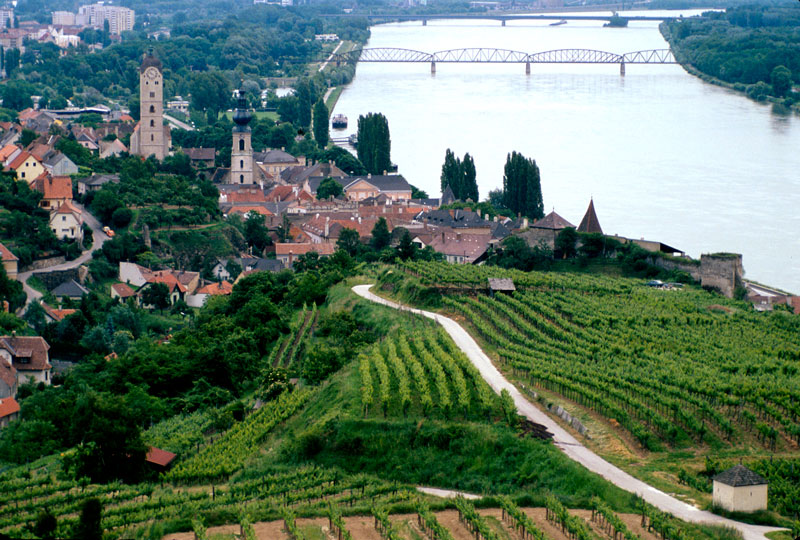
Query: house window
{"x": 23, "y": 174}
{"x": 63, "y": 218}
{"x": 241, "y": 144}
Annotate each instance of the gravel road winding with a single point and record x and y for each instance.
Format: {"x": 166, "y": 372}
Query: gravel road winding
{"x": 562, "y": 439}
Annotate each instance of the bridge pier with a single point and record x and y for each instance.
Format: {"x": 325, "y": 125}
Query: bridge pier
{"x": 424, "y": 22}
{"x": 503, "y": 22}
{"x": 433, "y": 68}
{"x": 622, "y": 69}
{"x": 527, "y": 68}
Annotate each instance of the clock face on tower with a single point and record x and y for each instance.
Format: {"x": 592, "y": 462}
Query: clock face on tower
{"x": 151, "y": 73}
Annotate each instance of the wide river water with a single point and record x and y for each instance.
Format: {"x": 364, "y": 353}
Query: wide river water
{"x": 664, "y": 155}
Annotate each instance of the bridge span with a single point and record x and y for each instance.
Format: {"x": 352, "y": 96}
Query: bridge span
{"x": 496, "y": 16}
{"x": 505, "y": 56}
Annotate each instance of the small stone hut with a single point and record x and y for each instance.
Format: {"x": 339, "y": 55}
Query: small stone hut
{"x": 740, "y": 490}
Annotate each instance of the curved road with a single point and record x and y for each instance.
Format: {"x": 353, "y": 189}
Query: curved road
{"x": 99, "y": 237}
{"x": 562, "y": 439}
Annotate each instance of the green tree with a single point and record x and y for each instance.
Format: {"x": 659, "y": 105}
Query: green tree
{"x": 469, "y": 183}
{"x": 381, "y": 237}
{"x": 329, "y": 188}
{"x": 344, "y": 160}
{"x": 256, "y": 233}
{"x": 321, "y": 133}
{"x": 451, "y": 173}
{"x": 781, "y": 78}
{"x": 45, "y": 525}
{"x": 210, "y": 91}
{"x": 522, "y": 190}
{"x": 566, "y": 242}
{"x": 406, "y": 249}
{"x": 374, "y": 143}
{"x": 104, "y": 204}
{"x": 89, "y": 525}
{"x": 27, "y": 137}
{"x": 156, "y": 295}
{"x": 349, "y": 242}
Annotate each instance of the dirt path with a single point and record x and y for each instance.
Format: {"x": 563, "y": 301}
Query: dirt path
{"x": 564, "y": 440}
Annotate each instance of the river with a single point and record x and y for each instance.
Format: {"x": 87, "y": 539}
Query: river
{"x": 664, "y": 155}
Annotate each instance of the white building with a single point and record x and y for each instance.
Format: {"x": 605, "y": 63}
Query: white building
{"x": 67, "y": 222}
{"x": 63, "y": 18}
{"x": 119, "y": 19}
{"x": 6, "y": 18}
{"x": 178, "y": 104}
{"x": 740, "y": 490}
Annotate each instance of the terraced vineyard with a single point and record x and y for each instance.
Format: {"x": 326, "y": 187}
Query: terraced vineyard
{"x": 679, "y": 367}
{"x": 424, "y": 371}
{"x": 287, "y": 352}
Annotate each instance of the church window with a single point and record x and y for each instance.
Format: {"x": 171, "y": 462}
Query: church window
{"x": 241, "y": 164}
{"x": 152, "y": 108}
{"x": 152, "y": 123}
{"x": 151, "y": 138}
{"x": 156, "y": 83}
{"x": 241, "y": 144}
{"x": 241, "y": 179}
{"x": 152, "y": 94}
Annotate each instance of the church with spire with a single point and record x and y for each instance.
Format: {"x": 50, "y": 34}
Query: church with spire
{"x": 243, "y": 169}
{"x": 151, "y": 137}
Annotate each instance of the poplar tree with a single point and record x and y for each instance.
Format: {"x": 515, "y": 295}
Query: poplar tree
{"x": 522, "y": 190}
{"x": 469, "y": 185}
{"x": 460, "y": 176}
{"x": 321, "y": 133}
{"x": 374, "y": 143}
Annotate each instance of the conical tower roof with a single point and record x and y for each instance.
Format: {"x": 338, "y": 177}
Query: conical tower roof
{"x": 590, "y": 223}
{"x": 447, "y": 197}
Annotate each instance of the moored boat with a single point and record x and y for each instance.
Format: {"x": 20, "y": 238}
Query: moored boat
{"x": 339, "y": 121}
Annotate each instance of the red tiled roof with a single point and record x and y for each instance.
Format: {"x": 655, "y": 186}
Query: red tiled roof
{"x": 33, "y": 348}
{"x": 57, "y": 314}
{"x": 7, "y": 151}
{"x": 6, "y": 254}
{"x": 158, "y": 456}
{"x": 19, "y": 160}
{"x": 54, "y": 187}
{"x": 247, "y": 196}
{"x": 216, "y": 289}
{"x": 122, "y": 290}
{"x": 167, "y": 279}
{"x": 302, "y": 249}
{"x": 67, "y": 208}
{"x": 244, "y": 209}
{"x": 8, "y": 406}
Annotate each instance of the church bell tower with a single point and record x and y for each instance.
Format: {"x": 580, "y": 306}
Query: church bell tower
{"x": 242, "y": 150}
{"x": 151, "y": 139}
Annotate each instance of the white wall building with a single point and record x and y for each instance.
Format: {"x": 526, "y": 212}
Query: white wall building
{"x": 740, "y": 490}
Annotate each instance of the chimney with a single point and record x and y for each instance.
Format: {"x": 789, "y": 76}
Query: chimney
{"x": 384, "y": 172}
{"x": 327, "y": 226}
{"x": 359, "y": 220}
{"x": 369, "y": 175}
{"x": 495, "y": 219}
{"x": 525, "y": 223}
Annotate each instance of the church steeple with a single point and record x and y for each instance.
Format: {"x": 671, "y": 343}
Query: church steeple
{"x": 242, "y": 150}
{"x": 151, "y": 137}
{"x": 590, "y": 223}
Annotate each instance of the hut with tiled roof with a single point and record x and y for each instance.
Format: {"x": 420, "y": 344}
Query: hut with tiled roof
{"x": 740, "y": 490}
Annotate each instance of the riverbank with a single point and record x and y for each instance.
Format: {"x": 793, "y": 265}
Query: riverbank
{"x": 756, "y": 91}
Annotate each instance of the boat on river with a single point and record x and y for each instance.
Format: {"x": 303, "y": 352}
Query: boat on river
{"x": 559, "y": 23}
{"x": 339, "y": 121}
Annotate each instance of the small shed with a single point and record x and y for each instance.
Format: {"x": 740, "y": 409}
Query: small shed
{"x": 740, "y": 490}
{"x": 505, "y": 285}
{"x": 160, "y": 460}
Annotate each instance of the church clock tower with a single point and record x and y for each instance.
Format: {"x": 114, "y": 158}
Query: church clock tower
{"x": 242, "y": 150}
{"x": 151, "y": 138}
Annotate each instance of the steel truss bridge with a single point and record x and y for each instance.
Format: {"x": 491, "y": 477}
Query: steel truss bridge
{"x": 505, "y": 56}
